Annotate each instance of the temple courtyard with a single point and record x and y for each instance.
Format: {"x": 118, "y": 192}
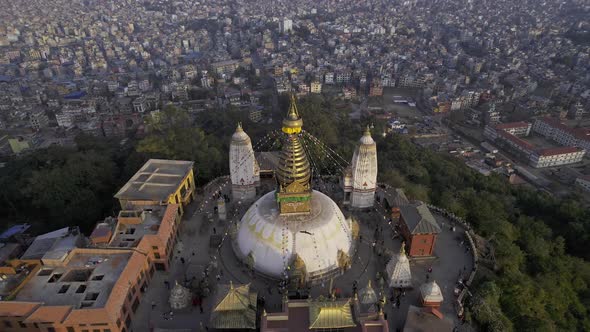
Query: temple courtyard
{"x": 204, "y": 257}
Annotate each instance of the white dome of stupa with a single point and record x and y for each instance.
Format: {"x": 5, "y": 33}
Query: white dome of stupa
{"x": 274, "y": 240}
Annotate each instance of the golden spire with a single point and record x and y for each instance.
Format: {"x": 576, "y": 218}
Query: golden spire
{"x": 293, "y": 173}
{"x": 403, "y": 248}
{"x": 367, "y": 131}
{"x": 239, "y": 128}
{"x": 292, "y": 123}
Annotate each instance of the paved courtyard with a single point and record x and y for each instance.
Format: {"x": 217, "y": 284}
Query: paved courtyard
{"x": 450, "y": 263}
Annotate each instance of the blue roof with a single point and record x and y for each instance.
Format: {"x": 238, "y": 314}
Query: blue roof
{"x": 16, "y": 229}
{"x": 193, "y": 55}
{"x": 75, "y": 95}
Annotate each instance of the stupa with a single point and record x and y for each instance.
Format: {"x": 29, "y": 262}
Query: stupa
{"x": 431, "y": 295}
{"x": 398, "y": 270}
{"x": 294, "y": 221}
{"x": 180, "y": 297}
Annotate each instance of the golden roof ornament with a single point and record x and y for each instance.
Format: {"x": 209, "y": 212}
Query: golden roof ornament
{"x": 293, "y": 172}
{"x": 292, "y": 123}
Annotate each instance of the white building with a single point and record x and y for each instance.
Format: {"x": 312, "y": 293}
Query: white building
{"x": 360, "y": 181}
{"x": 316, "y": 87}
{"x": 286, "y": 25}
{"x": 244, "y": 170}
{"x": 562, "y": 134}
{"x": 398, "y": 270}
{"x": 39, "y": 120}
{"x": 583, "y": 182}
{"x": 556, "y": 156}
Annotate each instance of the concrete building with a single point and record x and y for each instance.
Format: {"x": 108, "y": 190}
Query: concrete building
{"x": 160, "y": 182}
{"x": 286, "y": 25}
{"x": 39, "y": 120}
{"x": 513, "y": 128}
{"x": 316, "y": 87}
{"x": 419, "y": 228}
{"x": 557, "y": 131}
{"x": 556, "y": 156}
{"x": 583, "y": 182}
{"x": 97, "y": 289}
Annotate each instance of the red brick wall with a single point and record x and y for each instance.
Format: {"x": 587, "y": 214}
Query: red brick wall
{"x": 422, "y": 244}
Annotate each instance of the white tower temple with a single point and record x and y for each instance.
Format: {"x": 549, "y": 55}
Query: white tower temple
{"x": 364, "y": 172}
{"x": 243, "y": 168}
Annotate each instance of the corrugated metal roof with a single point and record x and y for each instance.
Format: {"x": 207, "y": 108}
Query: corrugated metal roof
{"x": 330, "y": 314}
{"x": 418, "y": 218}
{"x": 235, "y": 308}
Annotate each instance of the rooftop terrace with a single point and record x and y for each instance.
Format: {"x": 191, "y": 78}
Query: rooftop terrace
{"x": 84, "y": 282}
{"x": 156, "y": 180}
{"x": 128, "y": 234}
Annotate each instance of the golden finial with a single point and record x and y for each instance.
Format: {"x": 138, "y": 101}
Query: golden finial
{"x": 367, "y": 131}
{"x": 403, "y": 248}
{"x": 264, "y": 312}
{"x": 369, "y": 284}
{"x": 239, "y": 128}
{"x": 292, "y": 123}
{"x": 231, "y": 285}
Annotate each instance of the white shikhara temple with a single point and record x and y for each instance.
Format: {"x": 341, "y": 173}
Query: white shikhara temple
{"x": 292, "y": 225}
{"x": 244, "y": 170}
{"x": 398, "y": 270}
{"x": 360, "y": 180}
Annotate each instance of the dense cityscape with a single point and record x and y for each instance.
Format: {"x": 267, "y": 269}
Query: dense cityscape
{"x": 294, "y": 165}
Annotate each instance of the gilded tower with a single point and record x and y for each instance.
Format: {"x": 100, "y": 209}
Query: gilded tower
{"x": 293, "y": 174}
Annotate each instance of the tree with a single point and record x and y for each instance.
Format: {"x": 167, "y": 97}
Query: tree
{"x": 173, "y": 135}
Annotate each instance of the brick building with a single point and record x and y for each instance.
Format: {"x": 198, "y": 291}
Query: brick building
{"x": 419, "y": 228}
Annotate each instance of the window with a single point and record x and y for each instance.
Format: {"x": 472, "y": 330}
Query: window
{"x": 45, "y": 272}
{"x": 98, "y": 277}
{"x": 135, "y": 305}
{"x": 91, "y": 296}
{"x": 7, "y": 323}
{"x": 70, "y": 329}
{"x": 55, "y": 277}
{"x": 154, "y": 247}
{"x": 81, "y": 289}
{"x": 118, "y": 323}
{"x": 63, "y": 289}
{"x": 156, "y": 255}
{"x": 106, "y": 330}
{"x": 96, "y": 330}
{"x": 21, "y": 324}
{"x": 130, "y": 296}
{"x": 50, "y": 329}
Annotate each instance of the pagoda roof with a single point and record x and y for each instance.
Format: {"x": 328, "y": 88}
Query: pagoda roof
{"x": 235, "y": 308}
{"x": 330, "y": 314}
{"x": 418, "y": 218}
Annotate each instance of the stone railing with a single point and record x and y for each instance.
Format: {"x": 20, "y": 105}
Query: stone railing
{"x": 469, "y": 234}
